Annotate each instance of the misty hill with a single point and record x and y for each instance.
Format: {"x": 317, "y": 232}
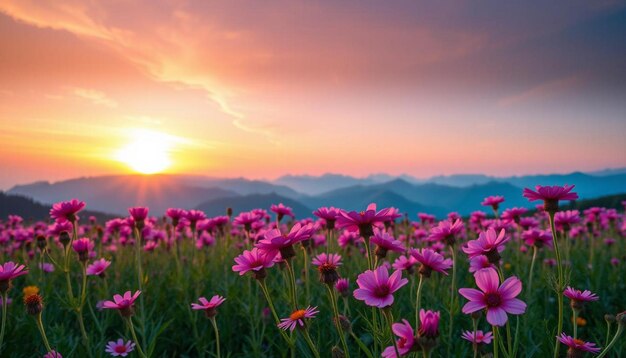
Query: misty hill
{"x": 115, "y": 194}
{"x": 248, "y": 202}
{"x": 240, "y": 186}
{"x": 31, "y": 210}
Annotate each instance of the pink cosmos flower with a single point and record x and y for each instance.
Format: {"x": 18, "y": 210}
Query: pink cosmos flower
{"x": 578, "y": 297}
{"x": 513, "y": 214}
{"x": 385, "y": 242}
{"x": 536, "y": 237}
{"x": 246, "y": 219}
{"x": 119, "y": 348}
{"x": 175, "y": 214}
{"x": 327, "y": 267}
{"x": 256, "y": 261}
{"x": 9, "y": 271}
{"x": 406, "y": 340}
{"x": 208, "y": 306}
{"x": 342, "y": 286}
{"x": 480, "y": 262}
{"x": 52, "y": 354}
{"x": 429, "y": 324}
{"x": 405, "y": 263}
{"x": 297, "y": 318}
{"x": 281, "y": 211}
{"x": 497, "y": 299}
{"x": 563, "y": 220}
{"x": 431, "y": 261}
{"x": 426, "y": 218}
{"x": 376, "y": 287}
{"x": 488, "y": 244}
{"x": 577, "y": 345}
{"x": 328, "y": 214}
{"x": 362, "y": 221}
{"x": 551, "y": 195}
{"x": 194, "y": 216}
{"x": 98, "y": 267}
{"x": 493, "y": 201}
{"x": 324, "y": 259}
{"x": 82, "y": 245}
{"x": 123, "y": 303}
{"x": 446, "y": 231}
{"x": 46, "y": 267}
{"x": 478, "y": 337}
{"x": 275, "y": 241}
{"x": 139, "y": 213}
{"x": 66, "y": 210}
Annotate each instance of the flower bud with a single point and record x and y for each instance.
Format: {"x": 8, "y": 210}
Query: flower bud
{"x": 41, "y": 242}
{"x": 64, "y": 238}
{"x": 34, "y": 304}
{"x": 336, "y": 352}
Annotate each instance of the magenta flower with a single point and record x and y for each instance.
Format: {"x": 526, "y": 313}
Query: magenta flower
{"x": 66, "y": 210}
{"x": 124, "y": 304}
{"x": 9, "y": 271}
{"x": 488, "y": 244}
{"x": 551, "y": 195}
{"x": 478, "y": 337}
{"x": 52, "y": 354}
{"x": 493, "y": 201}
{"x": 385, "y": 242}
{"x": 577, "y": 345}
{"x": 327, "y": 267}
{"x": 446, "y": 231}
{"x": 281, "y": 211}
{"x": 497, "y": 299}
{"x": 209, "y": 307}
{"x": 564, "y": 220}
{"x": 480, "y": 262}
{"x": 329, "y": 215}
{"x": 429, "y": 324}
{"x": 119, "y": 348}
{"x": 275, "y": 241}
{"x": 194, "y": 216}
{"x": 362, "y": 221}
{"x": 98, "y": 267}
{"x": 175, "y": 214}
{"x": 46, "y": 267}
{"x": 577, "y": 297}
{"x": 405, "y": 263}
{"x": 246, "y": 219}
{"x": 431, "y": 261}
{"x": 406, "y": 340}
{"x": 342, "y": 286}
{"x": 513, "y": 214}
{"x": 297, "y": 318}
{"x": 538, "y": 238}
{"x": 376, "y": 287}
{"x": 256, "y": 261}
{"x": 139, "y": 213}
{"x": 82, "y": 245}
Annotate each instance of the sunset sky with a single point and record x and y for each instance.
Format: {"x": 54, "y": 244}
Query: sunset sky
{"x": 264, "y": 88}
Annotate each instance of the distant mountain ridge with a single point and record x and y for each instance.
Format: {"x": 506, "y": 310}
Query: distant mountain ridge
{"x": 438, "y": 195}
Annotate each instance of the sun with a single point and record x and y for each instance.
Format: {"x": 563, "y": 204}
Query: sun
{"x": 148, "y": 152}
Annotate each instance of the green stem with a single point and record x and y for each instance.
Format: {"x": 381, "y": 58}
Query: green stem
{"x": 43, "y": 332}
{"x": 5, "y": 298}
{"x": 217, "y": 336}
{"x": 271, "y": 304}
{"x": 368, "y": 249}
{"x": 574, "y": 318}
{"x": 307, "y": 338}
{"x": 307, "y": 285}
{"x": 129, "y": 321}
{"x": 362, "y": 345}
{"x": 452, "y": 297}
{"x": 494, "y": 329}
{"x": 559, "y": 284}
{"x": 608, "y": 333}
{"x": 142, "y": 320}
{"x": 389, "y": 316}
{"x": 474, "y": 344}
{"x": 292, "y": 278}
{"x": 333, "y": 301}
{"x": 418, "y": 301}
{"x": 620, "y": 328}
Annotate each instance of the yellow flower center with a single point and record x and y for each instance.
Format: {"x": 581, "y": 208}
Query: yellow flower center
{"x": 296, "y": 315}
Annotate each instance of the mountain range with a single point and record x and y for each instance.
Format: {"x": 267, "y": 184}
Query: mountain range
{"x": 437, "y": 195}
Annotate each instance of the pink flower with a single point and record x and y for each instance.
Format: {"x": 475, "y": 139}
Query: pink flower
{"x": 498, "y": 300}
{"x": 550, "y": 195}
{"x": 493, "y": 201}
{"x": 362, "y": 221}
{"x": 297, "y": 318}
{"x": 488, "y": 244}
{"x": 342, "y": 286}
{"x": 513, "y": 214}
{"x": 426, "y": 218}
{"x": 429, "y": 324}
{"x": 275, "y": 241}
{"x": 208, "y": 306}
{"x": 175, "y": 214}
{"x": 577, "y": 345}
{"x": 82, "y": 245}
{"x": 479, "y": 262}
{"x": 282, "y": 211}
{"x": 194, "y": 216}
{"x": 405, "y": 342}
{"x": 376, "y": 287}
{"x": 563, "y": 220}
{"x": 98, "y": 267}
{"x": 119, "y": 348}
{"x": 52, "y": 354}
{"x": 327, "y": 267}
{"x": 577, "y": 297}
{"x": 139, "y": 213}
{"x": 328, "y": 214}
{"x": 446, "y": 231}
{"x": 478, "y": 337}
{"x": 123, "y": 303}
{"x": 9, "y": 271}
{"x": 66, "y": 210}
{"x": 431, "y": 261}
{"x": 536, "y": 237}
{"x": 324, "y": 259}
{"x": 405, "y": 263}
{"x": 255, "y": 260}
{"x": 246, "y": 219}
{"x": 385, "y": 242}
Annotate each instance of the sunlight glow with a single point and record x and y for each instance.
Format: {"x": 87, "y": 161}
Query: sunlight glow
{"x": 148, "y": 152}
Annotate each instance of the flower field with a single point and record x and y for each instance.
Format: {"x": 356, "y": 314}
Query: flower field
{"x": 503, "y": 282}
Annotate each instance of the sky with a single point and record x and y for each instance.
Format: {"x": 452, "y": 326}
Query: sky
{"x": 262, "y": 89}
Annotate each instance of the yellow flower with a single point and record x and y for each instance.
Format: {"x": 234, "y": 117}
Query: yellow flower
{"x": 581, "y": 322}
{"x": 507, "y": 266}
{"x": 30, "y": 290}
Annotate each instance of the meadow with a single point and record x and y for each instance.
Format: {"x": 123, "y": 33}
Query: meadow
{"x": 503, "y": 282}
